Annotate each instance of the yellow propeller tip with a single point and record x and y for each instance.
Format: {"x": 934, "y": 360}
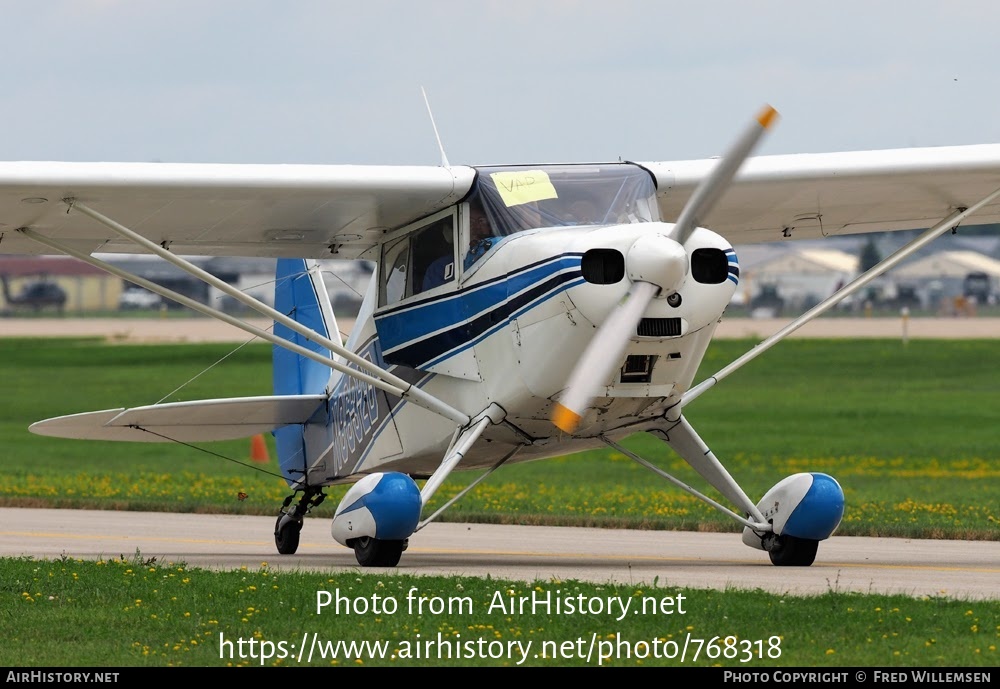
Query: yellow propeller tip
{"x": 767, "y": 116}
{"x": 565, "y": 419}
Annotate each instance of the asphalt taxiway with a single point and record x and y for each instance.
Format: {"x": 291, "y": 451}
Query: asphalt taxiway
{"x": 947, "y": 569}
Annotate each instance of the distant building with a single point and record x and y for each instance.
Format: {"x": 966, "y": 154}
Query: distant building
{"x": 943, "y": 275}
{"x": 801, "y": 277}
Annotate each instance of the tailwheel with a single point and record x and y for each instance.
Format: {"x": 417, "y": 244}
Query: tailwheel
{"x": 789, "y": 551}
{"x": 375, "y": 552}
{"x": 286, "y": 534}
{"x": 289, "y": 525}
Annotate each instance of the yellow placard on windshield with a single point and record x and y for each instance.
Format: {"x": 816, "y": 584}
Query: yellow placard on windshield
{"x": 523, "y": 186}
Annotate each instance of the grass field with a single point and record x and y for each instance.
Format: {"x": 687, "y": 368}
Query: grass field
{"x": 137, "y": 612}
{"x": 910, "y": 432}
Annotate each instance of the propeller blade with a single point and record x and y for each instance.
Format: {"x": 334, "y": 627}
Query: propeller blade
{"x": 650, "y": 261}
{"x": 602, "y": 355}
{"x": 710, "y": 190}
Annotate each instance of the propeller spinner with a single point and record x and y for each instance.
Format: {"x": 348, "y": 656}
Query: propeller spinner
{"x": 656, "y": 266}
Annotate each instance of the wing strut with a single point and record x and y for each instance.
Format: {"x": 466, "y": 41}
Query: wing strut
{"x": 461, "y": 493}
{"x": 460, "y": 444}
{"x": 209, "y": 311}
{"x": 692, "y": 449}
{"x": 369, "y": 372}
{"x": 933, "y": 233}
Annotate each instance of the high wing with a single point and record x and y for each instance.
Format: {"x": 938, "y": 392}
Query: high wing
{"x": 808, "y": 196}
{"x": 280, "y": 211}
{"x": 343, "y": 211}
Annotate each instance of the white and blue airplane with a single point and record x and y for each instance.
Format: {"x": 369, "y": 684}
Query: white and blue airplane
{"x": 515, "y": 312}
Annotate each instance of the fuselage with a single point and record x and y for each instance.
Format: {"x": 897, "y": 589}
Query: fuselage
{"x": 508, "y": 328}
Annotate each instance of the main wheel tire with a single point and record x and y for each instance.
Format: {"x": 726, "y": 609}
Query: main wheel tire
{"x": 794, "y": 552}
{"x": 286, "y": 534}
{"x": 373, "y": 552}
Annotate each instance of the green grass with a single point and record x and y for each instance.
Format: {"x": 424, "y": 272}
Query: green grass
{"x": 909, "y": 431}
{"x": 138, "y": 612}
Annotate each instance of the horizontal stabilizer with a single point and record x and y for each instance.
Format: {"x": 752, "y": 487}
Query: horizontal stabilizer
{"x": 195, "y": 421}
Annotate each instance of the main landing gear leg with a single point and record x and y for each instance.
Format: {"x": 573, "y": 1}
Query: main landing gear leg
{"x": 788, "y": 522}
{"x": 289, "y": 524}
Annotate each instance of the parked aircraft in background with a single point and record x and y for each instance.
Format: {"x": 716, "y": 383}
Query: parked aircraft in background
{"x": 34, "y": 296}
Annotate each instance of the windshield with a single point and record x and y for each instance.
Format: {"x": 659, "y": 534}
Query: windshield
{"x": 510, "y": 199}
{"x": 519, "y": 198}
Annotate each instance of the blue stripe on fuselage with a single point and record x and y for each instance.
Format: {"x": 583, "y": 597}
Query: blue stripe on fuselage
{"x": 414, "y": 334}
{"x": 734, "y": 267}
{"x": 515, "y": 308}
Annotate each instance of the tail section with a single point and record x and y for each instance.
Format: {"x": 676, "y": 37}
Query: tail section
{"x": 301, "y": 294}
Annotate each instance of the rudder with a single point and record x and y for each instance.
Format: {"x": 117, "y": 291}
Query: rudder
{"x": 300, "y": 293}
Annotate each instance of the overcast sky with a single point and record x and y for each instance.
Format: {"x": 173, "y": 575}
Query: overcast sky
{"x": 509, "y": 81}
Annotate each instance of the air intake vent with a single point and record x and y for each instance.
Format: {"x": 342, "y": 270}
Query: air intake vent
{"x": 603, "y": 266}
{"x": 638, "y": 368}
{"x": 659, "y": 327}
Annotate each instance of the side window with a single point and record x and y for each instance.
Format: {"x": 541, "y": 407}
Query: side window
{"x": 422, "y": 259}
{"x": 395, "y": 262}
{"x": 481, "y": 234}
{"x": 434, "y": 255}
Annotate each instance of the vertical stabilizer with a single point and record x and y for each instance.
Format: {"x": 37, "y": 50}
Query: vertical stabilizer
{"x": 300, "y": 293}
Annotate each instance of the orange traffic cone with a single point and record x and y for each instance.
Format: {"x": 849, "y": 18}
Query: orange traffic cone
{"x": 258, "y": 449}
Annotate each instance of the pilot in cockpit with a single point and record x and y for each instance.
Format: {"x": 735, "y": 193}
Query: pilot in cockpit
{"x": 442, "y": 268}
{"x": 481, "y": 234}
{"x": 584, "y": 212}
